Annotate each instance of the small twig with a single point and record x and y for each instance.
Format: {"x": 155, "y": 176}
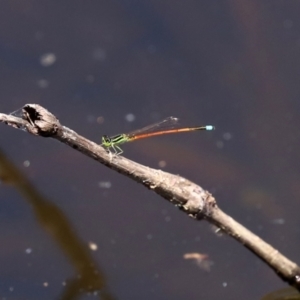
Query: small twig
{"x": 188, "y": 196}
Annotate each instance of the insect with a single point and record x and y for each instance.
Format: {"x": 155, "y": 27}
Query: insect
{"x": 168, "y": 125}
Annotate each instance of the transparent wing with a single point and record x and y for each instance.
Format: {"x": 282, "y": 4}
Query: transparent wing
{"x": 167, "y": 123}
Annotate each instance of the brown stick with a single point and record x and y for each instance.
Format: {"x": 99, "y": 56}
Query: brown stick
{"x": 189, "y": 197}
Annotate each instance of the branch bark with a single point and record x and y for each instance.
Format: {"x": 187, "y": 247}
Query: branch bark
{"x": 188, "y": 196}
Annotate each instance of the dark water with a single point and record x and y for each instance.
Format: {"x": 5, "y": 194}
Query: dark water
{"x": 97, "y": 65}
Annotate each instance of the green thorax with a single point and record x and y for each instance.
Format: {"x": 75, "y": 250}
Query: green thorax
{"x": 114, "y": 140}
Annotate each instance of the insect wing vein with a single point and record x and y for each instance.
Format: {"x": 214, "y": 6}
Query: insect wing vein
{"x": 167, "y": 123}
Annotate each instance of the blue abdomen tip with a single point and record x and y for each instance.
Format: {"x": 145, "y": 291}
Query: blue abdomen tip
{"x": 210, "y": 127}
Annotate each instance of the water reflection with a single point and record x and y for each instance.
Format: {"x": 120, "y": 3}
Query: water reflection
{"x": 88, "y": 276}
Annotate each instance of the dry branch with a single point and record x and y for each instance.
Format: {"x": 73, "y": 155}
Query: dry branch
{"x": 188, "y": 196}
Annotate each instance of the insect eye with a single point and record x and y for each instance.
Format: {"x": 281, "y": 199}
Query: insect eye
{"x": 105, "y": 139}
